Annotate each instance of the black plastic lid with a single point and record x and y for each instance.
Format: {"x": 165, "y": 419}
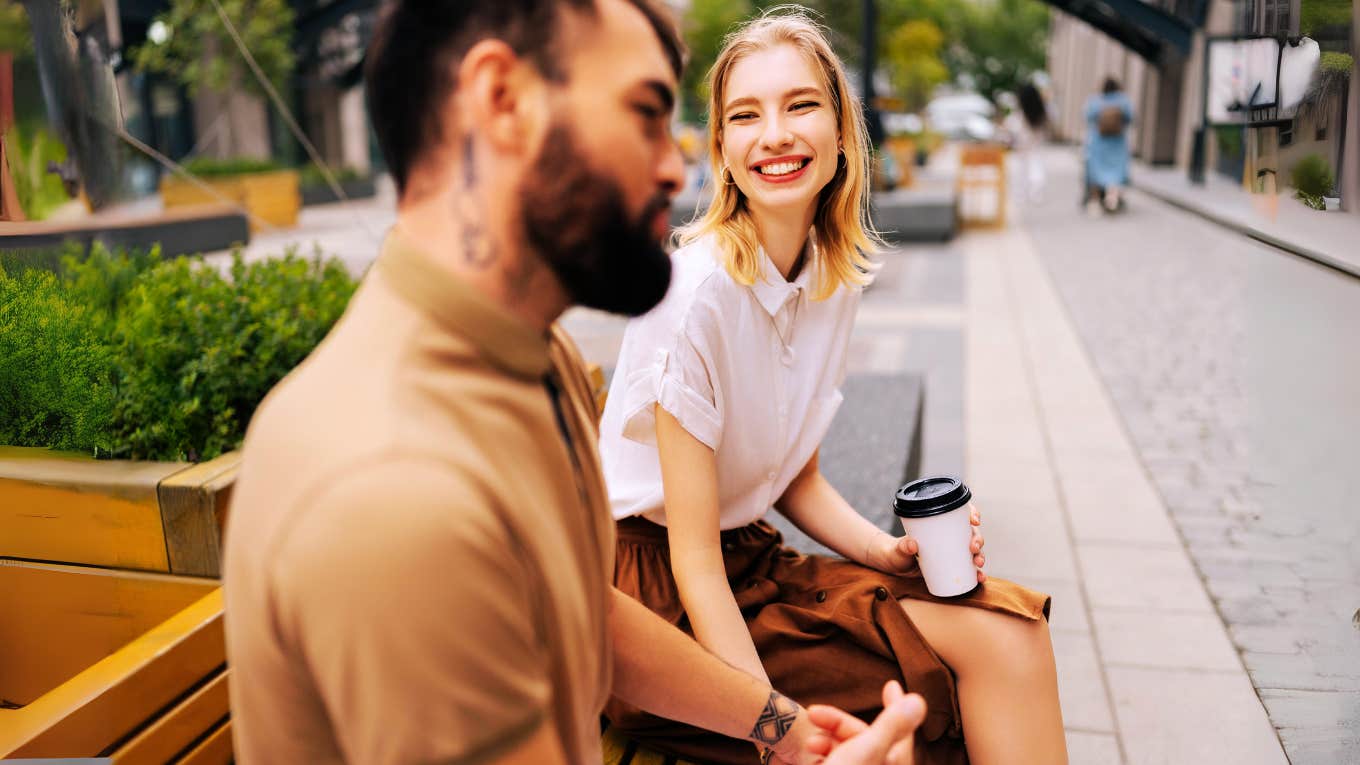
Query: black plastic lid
{"x": 929, "y": 496}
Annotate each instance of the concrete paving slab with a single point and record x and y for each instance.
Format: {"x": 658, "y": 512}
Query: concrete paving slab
{"x": 1172, "y": 717}
{"x": 1068, "y": 612}
{"x": 1005, "y": 479}
{"x": 1085, "y": 748}
{"x": 1123, "y": 576}
{"x": 1026, "y": 543}
{"x": 1081, "y": 684}
{"x": 1164, "y": 639}
{"x": 1102, "y": 509}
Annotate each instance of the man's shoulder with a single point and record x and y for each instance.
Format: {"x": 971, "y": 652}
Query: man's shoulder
{"x": 398, "y": 502}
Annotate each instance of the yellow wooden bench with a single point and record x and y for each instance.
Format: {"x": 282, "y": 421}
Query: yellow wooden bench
{"x": 116, "y": 656}
{"x": 121, "y": 664}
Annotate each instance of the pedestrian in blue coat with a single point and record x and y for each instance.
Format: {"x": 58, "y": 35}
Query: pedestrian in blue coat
{"x": 1108, "y": 116}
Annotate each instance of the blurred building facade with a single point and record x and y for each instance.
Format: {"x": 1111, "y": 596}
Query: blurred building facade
{"x": 1168, "y": 92}
{"x": 325, "y": 93}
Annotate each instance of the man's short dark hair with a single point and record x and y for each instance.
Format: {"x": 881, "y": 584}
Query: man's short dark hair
{"x": 1111, "y": 86}
{"x": 411, "y": 59}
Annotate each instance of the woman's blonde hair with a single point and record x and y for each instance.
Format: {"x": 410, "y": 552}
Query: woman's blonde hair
{"x": 843, "y": 234}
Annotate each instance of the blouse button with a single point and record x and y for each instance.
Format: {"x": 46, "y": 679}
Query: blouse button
{"x": 821, "y": 596}
{"x": 881, "y": 594}
{"x": 730, "y": 546}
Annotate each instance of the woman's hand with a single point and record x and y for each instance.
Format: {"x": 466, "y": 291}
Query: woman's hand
{"x": 896, "y": 555}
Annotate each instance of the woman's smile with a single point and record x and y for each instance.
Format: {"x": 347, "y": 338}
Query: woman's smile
{"x": 781, "y": 169}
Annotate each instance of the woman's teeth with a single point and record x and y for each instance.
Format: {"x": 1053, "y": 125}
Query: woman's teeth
{"x": 781, "y": 168}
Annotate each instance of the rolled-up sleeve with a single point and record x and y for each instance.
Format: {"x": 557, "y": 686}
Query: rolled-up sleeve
{"x": 677, "y": 378}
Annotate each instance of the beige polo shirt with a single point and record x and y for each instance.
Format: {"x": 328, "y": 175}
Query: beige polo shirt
{"x": 419, "y": 549}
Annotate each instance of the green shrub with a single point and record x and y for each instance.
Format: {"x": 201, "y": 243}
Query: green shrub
{"x": 204, "y": 167}
{"x": 311, "y": 175}
{"x": 16, "y": 262}
{"x": 1312, "y": 178}
{"x": 123, "y": 355}
{"x": 1333, "y": 61}
{"x": 56, "y": 370}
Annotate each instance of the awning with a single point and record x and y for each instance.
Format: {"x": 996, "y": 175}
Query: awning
{"x": 1151, "y": 32}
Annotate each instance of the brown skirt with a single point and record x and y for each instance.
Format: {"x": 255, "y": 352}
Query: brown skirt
{"x": 827, "y": 630}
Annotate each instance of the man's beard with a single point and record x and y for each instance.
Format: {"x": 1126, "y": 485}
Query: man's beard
{"x": 576, "y": 220}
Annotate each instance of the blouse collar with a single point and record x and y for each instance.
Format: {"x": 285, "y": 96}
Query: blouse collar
{"x": 772, "y": 290}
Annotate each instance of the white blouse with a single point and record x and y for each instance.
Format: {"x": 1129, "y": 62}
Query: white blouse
{"x": 752, "y": 372}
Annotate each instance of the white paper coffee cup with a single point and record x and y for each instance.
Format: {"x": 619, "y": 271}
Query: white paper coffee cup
{"x": 935, "y": 512}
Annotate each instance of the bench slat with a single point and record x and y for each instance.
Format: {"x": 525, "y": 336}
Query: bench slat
{"x": 215, "y": 749}
{"x": 204, "y": 710}
{"x": 117, "y": 695}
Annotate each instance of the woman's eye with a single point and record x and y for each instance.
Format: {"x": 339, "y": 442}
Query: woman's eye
{"x": 741, "y": 117}
{"x": 801, "y": 105}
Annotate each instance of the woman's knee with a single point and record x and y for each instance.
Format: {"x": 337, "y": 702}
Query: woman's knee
{"x": 975, "y": 640}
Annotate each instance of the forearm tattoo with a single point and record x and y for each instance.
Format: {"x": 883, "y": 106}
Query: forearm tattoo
{"x": 775, "y": 721}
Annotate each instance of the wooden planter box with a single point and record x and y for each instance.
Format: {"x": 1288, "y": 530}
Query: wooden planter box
{"x": 146, "y": 516}
{"x": 272, "y": 197}
{"x": 111, "y": 663}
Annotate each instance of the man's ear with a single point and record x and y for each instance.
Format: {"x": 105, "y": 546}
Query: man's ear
{"x": 501, "y": 97}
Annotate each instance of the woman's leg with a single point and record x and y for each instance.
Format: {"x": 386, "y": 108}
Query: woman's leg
{"x": 1007, "y": 681}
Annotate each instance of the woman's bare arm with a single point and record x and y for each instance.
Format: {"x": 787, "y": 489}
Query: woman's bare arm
{"x": 689, "y": 476}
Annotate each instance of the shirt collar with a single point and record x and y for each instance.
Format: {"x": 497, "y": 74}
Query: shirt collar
{"x": 498, "y": 335}
{"x": 772, "y": 290}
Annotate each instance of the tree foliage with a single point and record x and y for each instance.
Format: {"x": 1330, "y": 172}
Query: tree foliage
{"x": 991, "y": 46}
{"x": 201, "y": 54}
{"x": 1324, "y": 18}
{"x": 15, "y": 34}
{"x": 913, "y": 58}
{"x": 705, "y": 26}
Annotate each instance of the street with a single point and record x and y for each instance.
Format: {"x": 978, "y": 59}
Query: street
{"x": 1234, "y": 368}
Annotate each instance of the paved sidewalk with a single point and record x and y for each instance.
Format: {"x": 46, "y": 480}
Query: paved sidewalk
{"x": 352, "y": 231}
{"x": 1232, "y": 365}
{"x": 1146, "y": 670}
{"x": 1326, "y": 237}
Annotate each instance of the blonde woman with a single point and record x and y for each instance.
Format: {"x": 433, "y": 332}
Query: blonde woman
{"x": 718, "y": 404}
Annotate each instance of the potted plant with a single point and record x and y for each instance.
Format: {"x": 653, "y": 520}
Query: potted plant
{"x": 126, "y": 382}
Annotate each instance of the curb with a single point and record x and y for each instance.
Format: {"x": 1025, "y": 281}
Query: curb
{"x": 1321, "y": 258}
